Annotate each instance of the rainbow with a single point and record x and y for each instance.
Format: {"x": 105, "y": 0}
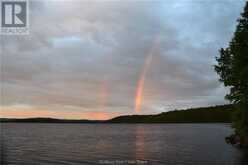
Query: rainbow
{"x": 141, "y": 81}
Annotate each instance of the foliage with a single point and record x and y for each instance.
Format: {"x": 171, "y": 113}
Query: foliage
{"x": 233, "y": 71}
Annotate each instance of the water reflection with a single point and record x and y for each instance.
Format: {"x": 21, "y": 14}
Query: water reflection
{"x": 158, "y": 144}
{"x": 140, "y": 142}
{"x": 241, "y": 157}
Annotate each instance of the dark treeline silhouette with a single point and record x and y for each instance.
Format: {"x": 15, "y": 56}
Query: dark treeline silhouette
{"x": 197, "y": 115}
{"x": 214, "y": 114}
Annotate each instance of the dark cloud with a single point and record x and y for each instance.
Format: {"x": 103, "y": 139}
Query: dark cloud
{"x": 90, "y": 55}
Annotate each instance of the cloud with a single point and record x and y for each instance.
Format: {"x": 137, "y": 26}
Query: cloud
{"x": 91, "y": 55}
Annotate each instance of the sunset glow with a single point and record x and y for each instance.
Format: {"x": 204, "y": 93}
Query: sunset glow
{"x": 20, "y": 111}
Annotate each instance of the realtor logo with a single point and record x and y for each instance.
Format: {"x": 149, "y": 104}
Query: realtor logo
{"x": 14, "y": 17}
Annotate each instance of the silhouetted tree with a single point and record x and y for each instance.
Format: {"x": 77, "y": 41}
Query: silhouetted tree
{"x": 233, "y": 71}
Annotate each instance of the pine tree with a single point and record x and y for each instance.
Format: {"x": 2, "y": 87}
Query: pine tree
{"x": 233, "y": 71}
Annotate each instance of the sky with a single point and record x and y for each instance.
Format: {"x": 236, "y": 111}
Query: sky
{"x": 101, "y": 59}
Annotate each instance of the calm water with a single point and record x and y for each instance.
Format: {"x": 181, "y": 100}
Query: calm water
{"x": 165, "y": 144}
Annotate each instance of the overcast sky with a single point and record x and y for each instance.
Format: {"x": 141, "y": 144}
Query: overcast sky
{"x": 97, "y": 60}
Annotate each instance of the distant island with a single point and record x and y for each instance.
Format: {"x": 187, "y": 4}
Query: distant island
{"x": 46, "y": 120}
{"x": 215, "y": 114}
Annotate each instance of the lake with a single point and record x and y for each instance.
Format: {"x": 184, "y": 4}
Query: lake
{"x": 165, "y": 144}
